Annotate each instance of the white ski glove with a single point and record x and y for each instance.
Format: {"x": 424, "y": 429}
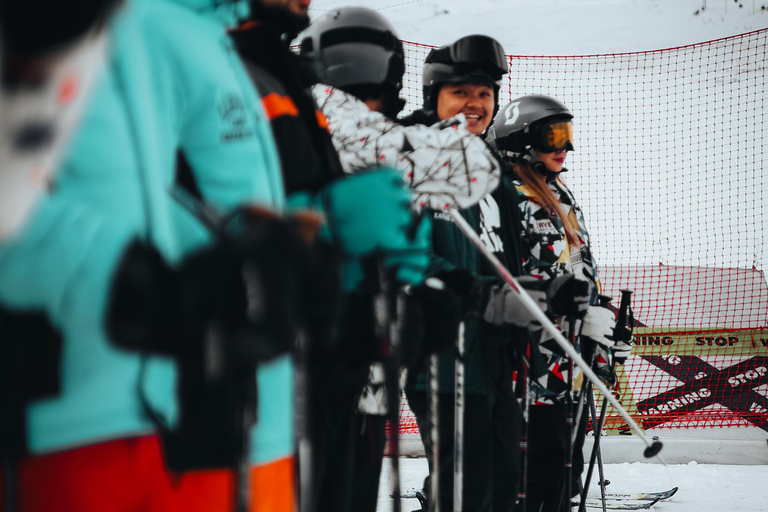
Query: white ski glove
{"x": 598, "y": 325}
{"x": 621, "y": 351}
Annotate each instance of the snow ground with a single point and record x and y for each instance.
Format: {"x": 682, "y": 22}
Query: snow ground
{"x": 702, "y": 487}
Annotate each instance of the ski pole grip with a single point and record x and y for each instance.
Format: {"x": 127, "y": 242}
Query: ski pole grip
{"x": 621, "y": 332}
{"x": 604, "y": 300}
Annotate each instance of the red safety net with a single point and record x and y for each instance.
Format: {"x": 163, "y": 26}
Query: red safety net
{"x": 668, "y": 169}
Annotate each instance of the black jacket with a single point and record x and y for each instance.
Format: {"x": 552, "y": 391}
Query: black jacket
{"x": 451, "y": 249}
{"x": 284, "y": 82}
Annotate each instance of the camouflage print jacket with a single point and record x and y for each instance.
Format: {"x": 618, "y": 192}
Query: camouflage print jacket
{"x": 546, "y": 253}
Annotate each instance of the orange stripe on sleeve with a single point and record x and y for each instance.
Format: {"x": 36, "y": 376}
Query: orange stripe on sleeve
{"x": 276, "y": 106}
{"x": 322, "y": 121}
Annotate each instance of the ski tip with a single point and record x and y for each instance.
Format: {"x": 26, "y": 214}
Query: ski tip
{"x": 671, "y": 492}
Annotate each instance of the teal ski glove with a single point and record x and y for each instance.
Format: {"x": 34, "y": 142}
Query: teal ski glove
{"x": 369, "y": 214}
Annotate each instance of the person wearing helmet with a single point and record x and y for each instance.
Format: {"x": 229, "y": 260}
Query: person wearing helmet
{"x": 534, "y": 135}
{"x": 360, "y": 65}
{"x": 464, "y": 78}
{"x": 339, "y": 339}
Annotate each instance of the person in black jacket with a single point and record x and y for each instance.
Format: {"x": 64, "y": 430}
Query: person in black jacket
{"x": 492, "y": 416}
{"x": 340, "y": 341}
{"x": 331, "y": 373}
{"x": 360, "y": 63}
{"x": 464, "y": 78}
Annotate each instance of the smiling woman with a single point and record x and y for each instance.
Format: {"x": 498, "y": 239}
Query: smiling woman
{"x": 475, "y": 101}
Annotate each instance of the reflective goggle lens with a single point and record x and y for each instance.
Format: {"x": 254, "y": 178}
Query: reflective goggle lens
{"x": 480, "y": 50}
{"x": 559, "y": 136}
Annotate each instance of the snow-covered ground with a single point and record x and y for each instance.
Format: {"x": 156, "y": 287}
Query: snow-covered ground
{"x": 702, "y": 487}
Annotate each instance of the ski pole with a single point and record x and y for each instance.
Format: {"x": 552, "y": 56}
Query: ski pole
{"x": 564, "y": 490}
{"x": 622, "y": 332}
{"x": 603, "y": 301}
{"x": 387, "y": 312}
{"x": 597, "y": 431}
{"x": 458, "y": 425}
{"x": 652, "y": 447}
{"x": 434, "y": 433}
{"x": 525, "y": 405}
{"x": 305, "y": 487}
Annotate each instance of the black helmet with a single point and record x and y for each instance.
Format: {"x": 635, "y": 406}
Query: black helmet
{"x": 535, "y": 121}
{"x": 354, "y": 46}
{"x": 471, "y": 59}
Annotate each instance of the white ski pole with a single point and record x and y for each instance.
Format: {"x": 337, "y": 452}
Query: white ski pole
{"x": 652, "y": 447}
{"x": 458, "y": 425}
{"x": 434, "y": 432}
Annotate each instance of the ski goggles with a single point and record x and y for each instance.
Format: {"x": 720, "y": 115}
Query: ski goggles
{"x": 472, "y": 52}
{"x": 554, "y": 136}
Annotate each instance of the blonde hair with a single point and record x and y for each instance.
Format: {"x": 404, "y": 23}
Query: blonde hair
{"x": 536, "y": 183}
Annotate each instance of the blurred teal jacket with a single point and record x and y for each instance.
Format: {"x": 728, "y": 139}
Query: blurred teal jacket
{"x": 173, "y": 82}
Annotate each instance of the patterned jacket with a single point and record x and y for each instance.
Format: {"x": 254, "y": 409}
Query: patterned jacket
{"x": 445, "y": 158}
{"x": 456, "y": 162}
{"x": 546, "y": 253}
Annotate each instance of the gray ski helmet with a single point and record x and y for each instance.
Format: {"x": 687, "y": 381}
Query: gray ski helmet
{"x": 354, "y": 46}
{"x": 527, "y": 122}
{"x": 471, "y": 59}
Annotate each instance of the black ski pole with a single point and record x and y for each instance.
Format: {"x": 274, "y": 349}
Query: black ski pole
{"x": 525, "y": 404}
{"x": 304, "y": 475}
{"x": 564, "y": 490}
{"x": 622, "y": 332}
{"x": 596, "y": 454}
{"x": 603, "y": 301}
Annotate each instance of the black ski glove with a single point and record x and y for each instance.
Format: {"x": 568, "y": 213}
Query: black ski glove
{"x": 467, "y": 288}
{"x": 568, "y": 296}
{"x": 443, "y": 302}
{"x": 242, "y": 291}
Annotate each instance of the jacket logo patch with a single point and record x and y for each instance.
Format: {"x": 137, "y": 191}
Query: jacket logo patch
{"x": 233, "y": 116}
{"x": 545, "y": 226}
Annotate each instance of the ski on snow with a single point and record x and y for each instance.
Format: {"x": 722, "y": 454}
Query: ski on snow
{"x": 620, "y": 504}
{"x": 613, "y": 500}
{"x": 643, "y": 496}
{"x": 630, "y": 500}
